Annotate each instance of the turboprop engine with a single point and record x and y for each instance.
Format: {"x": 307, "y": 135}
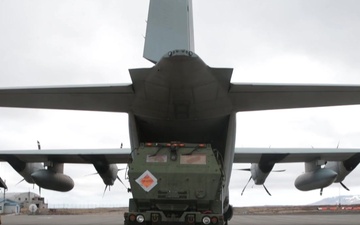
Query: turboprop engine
{"x": 53, "y": 178}
{"x": 343, "y": 168}
{"x": 320, "y": 178}
{"x": 107, "y": 172}
{"x": 316, "y": 177}
{"x": 259, "y": 173}
{"x": 25, "y": 169}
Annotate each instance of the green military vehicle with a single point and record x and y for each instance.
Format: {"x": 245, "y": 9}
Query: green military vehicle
{"x": 176, "y": 183}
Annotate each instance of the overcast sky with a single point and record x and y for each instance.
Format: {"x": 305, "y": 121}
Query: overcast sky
{"x": 48, "y": 42}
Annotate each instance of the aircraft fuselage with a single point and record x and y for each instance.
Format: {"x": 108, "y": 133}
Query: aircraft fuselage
{"x": 182, "y": 99}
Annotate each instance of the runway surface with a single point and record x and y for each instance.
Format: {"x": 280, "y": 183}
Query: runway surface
{"x": 112, "y": 219}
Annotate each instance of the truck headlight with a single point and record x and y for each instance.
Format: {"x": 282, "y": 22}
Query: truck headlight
{"x": 140, "y": 218}
{"x": 206, "y": 220}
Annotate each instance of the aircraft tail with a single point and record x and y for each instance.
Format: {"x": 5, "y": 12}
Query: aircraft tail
{"x": 169, "y": 27}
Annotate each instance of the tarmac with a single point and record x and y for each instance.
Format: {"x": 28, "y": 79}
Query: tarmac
{"x": 112, "y": 219}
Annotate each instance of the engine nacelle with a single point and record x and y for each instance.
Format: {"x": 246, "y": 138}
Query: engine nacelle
{"x": 52, "y": 180}
{"x": 29, "y": 169}
{"x": 343, "y": 168}
{"x": 317, "y": 179}
{"x": 339, "y": 168}
{"x": 260, "y": 171}
{"x": 23, "y": 168}
{"x": 258, "y": 175}
{"x": 107, "y": 172}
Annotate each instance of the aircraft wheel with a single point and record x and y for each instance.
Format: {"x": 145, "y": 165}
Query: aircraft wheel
{"x": 228, "y": 214}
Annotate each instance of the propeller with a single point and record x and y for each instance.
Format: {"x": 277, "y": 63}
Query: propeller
{"x": 33, "y": 185}
{"x": 343, "y": 185}
{"x": 267, "y": 191}
{"x": 244, "y": 169}
{"x": 39, "y": 148}
{"x": 19, "y": 182}
{"x": 248, "y": 169}
{"x": 105, "y": 189}
{"x": 278, "y": 171}
{"x": 128, "y": 189}
{"x": 108, "y": 186}
{"x": 246, "y": 185}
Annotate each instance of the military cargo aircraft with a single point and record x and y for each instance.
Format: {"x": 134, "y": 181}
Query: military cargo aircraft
{"x": 182, "y": 124}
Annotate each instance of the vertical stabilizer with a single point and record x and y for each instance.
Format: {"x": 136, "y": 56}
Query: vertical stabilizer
{"x": 169, "y": 27}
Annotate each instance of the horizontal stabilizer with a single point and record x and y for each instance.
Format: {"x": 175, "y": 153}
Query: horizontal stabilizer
{"x": 249, "y": 97}
{"x": 111, "y": 98}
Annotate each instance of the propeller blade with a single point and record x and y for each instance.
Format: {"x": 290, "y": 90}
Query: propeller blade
{"x": 246, "y": 185}
{"x": 121, "y": 182}
{"x": 40, "y": 191}
{"x": 92, "y": 174}
{"x": 244, "y": 169}
{"x": 105, "y": 190}
{"x": 279, "y": 171}
{"x": 344, "y": 186}
{"x": 321, "y": 191}
{"x": 266, "y": 190}
{"x": 20, "y": 181}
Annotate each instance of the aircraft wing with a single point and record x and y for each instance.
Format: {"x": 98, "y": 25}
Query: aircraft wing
{"x": 114, "y": 98}
{"x": 288, "y": 155}
{"x": 242, "y": 155}
{"x": 69, "y": 155}
{"x": 248, "y": 97}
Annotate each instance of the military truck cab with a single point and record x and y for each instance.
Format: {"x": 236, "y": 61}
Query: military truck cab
{"x": 175, "y": 183}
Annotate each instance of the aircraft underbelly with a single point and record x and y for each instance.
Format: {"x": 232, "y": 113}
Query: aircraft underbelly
{"x": 212, "y": 131}
{"x": 181, "y": 88}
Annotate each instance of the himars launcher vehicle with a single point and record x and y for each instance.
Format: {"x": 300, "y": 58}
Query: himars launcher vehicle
{"x": 182, "y": 124}
{"x": 170, "y": 183}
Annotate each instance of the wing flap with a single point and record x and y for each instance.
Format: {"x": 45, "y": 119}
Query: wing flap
{"x": 288, "y": 155}
{"x": 114, "y": 98}
{"x": 247, "y": 97}
{"x": 69, "y": 156}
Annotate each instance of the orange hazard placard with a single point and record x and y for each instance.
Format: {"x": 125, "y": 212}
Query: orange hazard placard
{"x": 147, "y": 181}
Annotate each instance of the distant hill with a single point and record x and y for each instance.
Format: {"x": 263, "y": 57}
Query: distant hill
{"x": 344, "y": 200}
